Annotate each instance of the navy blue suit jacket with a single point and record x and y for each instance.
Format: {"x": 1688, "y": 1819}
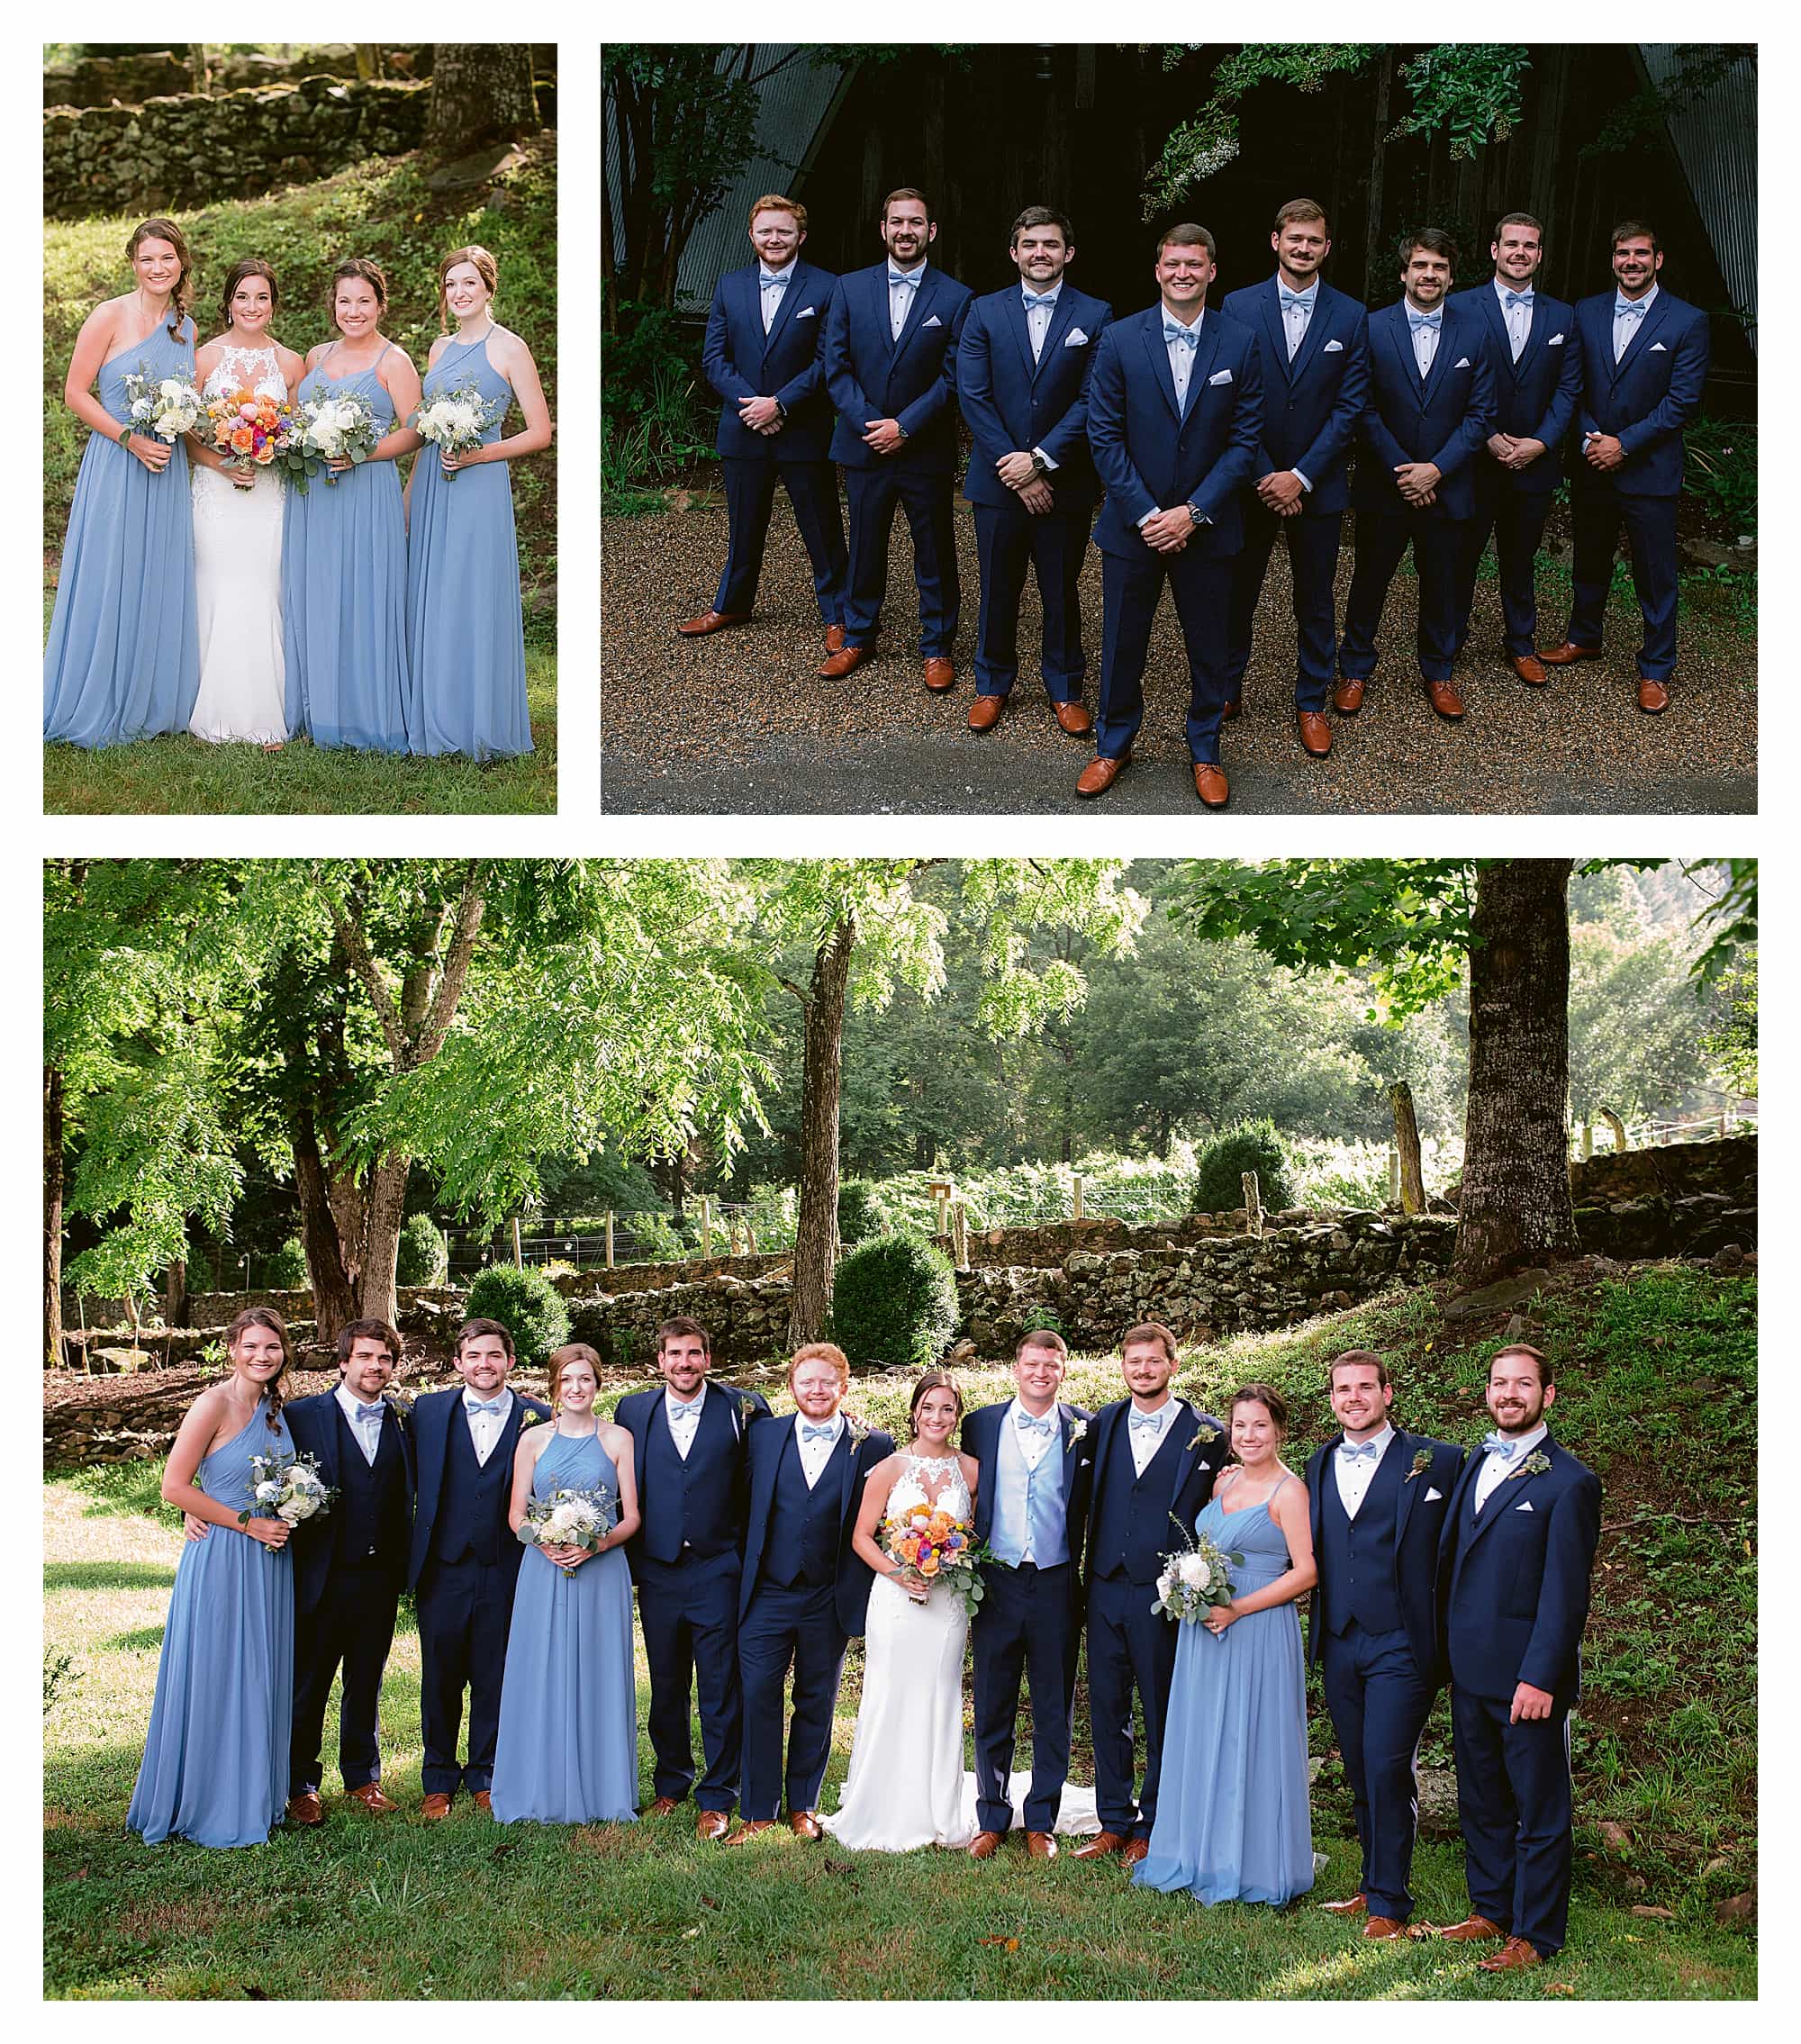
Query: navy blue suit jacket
{"x": 1644, "y": 399}
{"x": 871, "y": 376}
{"x": 1311, "y": 405}
{"x": 431, "y": 1426}
{"x": 636, "y": 1411}
{"x": 1151, "y": 458}
{"x": 1446, "y": 420}
{"x": 1418, "y": 1528}
{"x": 1535, "y": 398}
{"x": 1516, "y": 1590}
{"x": 740, "y": 360}
{"x": 981, "y": 1438}
{"x": 314, "y": 1423}
{"x": 852, "y": 1462}
{"x": 1013, "y": 404}
{"x": 1202, "y": 1461}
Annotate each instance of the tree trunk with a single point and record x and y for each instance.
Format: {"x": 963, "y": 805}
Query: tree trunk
{"x": 481, "y": 92}
{"x": 385, "y": 1202}
{"x": 1515, "y": 1206}
{"x": 368, "y": 60}
{"x": 816, "y": 1235}
{"x": 1372, "y": 258}
{"x": 197, "y": 67}
{"x": 1617, "y": 1126}
{"x": 175, "y": 1293}
{"x": 334, "y": 1298}
{"x": 53, "y": 1190}
{"x": 1407, "y": 1141}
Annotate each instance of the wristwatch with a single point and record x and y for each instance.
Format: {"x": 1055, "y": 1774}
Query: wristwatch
{"x": 1040, "y": 466}
{"x": 780, "y": 410}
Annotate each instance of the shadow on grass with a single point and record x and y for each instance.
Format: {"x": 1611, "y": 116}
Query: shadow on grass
{"x": 107, "y": 1576}
{"x": 147, "y": 1639}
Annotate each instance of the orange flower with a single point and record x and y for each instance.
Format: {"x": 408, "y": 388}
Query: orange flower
{"x": 243, "y": 440}
{"x": 265, "y": 452}
{"x": 929, "y": 1566}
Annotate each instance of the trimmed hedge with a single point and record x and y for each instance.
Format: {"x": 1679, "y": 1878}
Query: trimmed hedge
{"x": 895, "y": 1301}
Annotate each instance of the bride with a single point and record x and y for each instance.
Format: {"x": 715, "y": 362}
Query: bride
{"x": 238, "y": 529}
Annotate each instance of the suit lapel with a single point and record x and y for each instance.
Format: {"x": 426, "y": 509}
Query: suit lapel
{"x": 1063, "y": 320}
{"x": 328, "y": 1447}
{"x": 790, "y": 297}
{"x": 1404, "y": 1445}
{"x": 849, "y": 1449}
{"x": 1206, "y": 348}
{"x": 1504, "y": 1497}
{"x": 1318, "y": 332}
{"x": 1271, "y": 306}
{"x": 1399, "y": 336}
{"x": 1160, "y": 359}
{"x": 918, "y": 313}
{"x": 1020, "y": 328}
{"x": 1494, "y": 319}
{"x": 1442, "y": 357}
{"x": 1641, "y": 341}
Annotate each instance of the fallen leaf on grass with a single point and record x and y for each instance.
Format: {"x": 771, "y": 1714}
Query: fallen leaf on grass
{"x": 1560, "y": 1988}
{"x": 1648, "y": 1909}
{"x": 1006, "y": 1944}
{"x": 839, "y": 1866}
{"x": 501, "y": 1851}
{"x": 693, "y": 1933}
{"x": 709, "y": 1902}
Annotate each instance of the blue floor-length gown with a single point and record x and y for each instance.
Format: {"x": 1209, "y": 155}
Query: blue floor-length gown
{"x": 344, "y": 591}
{"x": 1232, "y": 1822}
{"x": 466, "y": 631}
{"x": 215, "y": 1760}
{"x": 567, "y": 1749}
{"x": 122, "y": 660}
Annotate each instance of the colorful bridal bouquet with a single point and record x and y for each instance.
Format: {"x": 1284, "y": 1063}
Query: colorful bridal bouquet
{"x": 1194, "y": 1580}
{"x": 167, "y": 406}
{"x": 287, "y": 1487}
{"x": 330, "y": 429}
{"x": 570, "y": 1518}
{"x": 936, "y": 1547}
{"x": 249, "y": 430}
{"x": 454, "y": 421}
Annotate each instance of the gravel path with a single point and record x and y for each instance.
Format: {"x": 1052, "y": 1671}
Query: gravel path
{"x": 739, "y": 724}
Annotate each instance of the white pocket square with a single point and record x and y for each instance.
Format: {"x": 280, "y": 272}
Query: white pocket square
{"x": 1657, "y": 347}
{"x": 934, "y": 321}
{"x": 806, "y": 313}
{"x": 1434, "y": 1496}
{"x": 1556, "y": 340}
{"x": 1075, "y": 338}
{"x": 1221, "y": 376}
{"x": 1462, "y": 362}
{"x": 1525, "y": 1505}
{"x": 1333, "y": 347}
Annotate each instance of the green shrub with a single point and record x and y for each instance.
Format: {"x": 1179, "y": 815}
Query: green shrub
{"x": 658, "y": 415}
{"x": 895, "y": 1301}
{"x": 1720, "y": 469}
{"x": 285, "y": 1270}
{"x": 1247, "y": 1146}
{"x": 424, "y": 1253}
{"x": 526, "y": 1304}
{"x": 861, "y": 1213}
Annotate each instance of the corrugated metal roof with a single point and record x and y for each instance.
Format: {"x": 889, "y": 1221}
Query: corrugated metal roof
{"x": 1716, "y": 141}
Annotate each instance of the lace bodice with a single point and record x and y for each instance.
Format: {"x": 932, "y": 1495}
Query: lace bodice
{"x": 255, "y": 369}
{"x": 930, "y": 1481}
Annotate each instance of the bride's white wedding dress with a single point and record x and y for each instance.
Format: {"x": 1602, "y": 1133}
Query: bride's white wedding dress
{"x": 237, "y": 578}
{"x": 907, "y": 1787}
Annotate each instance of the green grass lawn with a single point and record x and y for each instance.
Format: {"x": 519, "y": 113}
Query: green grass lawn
{"x": 1665, "y": 1748}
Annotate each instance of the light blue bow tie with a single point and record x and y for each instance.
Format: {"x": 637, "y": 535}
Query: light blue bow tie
{"x": 1039, "y": 298}
{"x": 1148, "y": 1423}
{"x": 904, "y": 276}
{"x": 1189, "y": 336}
{"x": 1357, "y": 1454}
{"x": 1631, "y": 308}
{"x": 1027, "y": 1424}
{"x": 1419, "y": 320}
{"x": 1499, "y": 1445}
{"x": 1515, "y": 298}
{"x": 495, "y": 1406}
{"x": 1290, "y": 298}
{"x": 827, "y": 1433}
{"x": 684, "y": 1408}
{"x": 767, "y": 278}
{"x": 369, "y": 1412}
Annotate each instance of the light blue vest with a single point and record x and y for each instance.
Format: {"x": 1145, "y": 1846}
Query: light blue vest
{"x": 1029, "y": 1500}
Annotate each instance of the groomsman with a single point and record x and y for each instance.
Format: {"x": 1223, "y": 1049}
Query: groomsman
{"x": 466, "y": 1558}
{"x": 1316, "y": 360}
{"x": 1431, "y": 405}
{"x": 1022, "y": 365}
{"x": 1156, "y": 1459}
{"x": 762, "y": 355}
{"x": 687, "y": 1557}
{"x": 1174, "y": 416}
{"x": 1515, "y": 1564}
{"x": 1644, "y": 364}
{"x": 889, "y": 355}
{"x": 804, "y": 1592}
{"x": 1537, "y": 366}
{"x": 1378, "y": 1495}
{"x": 1031, "y": 1508}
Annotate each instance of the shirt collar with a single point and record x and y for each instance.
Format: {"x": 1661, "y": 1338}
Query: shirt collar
{"x": 836, "y": 1422}
{"x": 1054, "y": 294}
{"x": 917, "y": 275}
{"x": 1164, "y": 314}
{"x": 1379, "y": 1442}
{"x": 1306, "y": 291}
{"x": 1413, "y": 312}
{"x": 1527, "y": 1443}
{"x": 474, "y": 1398}
{"x": 1520, "y": 291}
{"x": 1648, "y": 301}
{"x": 348, "y": 1399}
{"x": 764, "y": 275}
{"x": 1016, "y": 1410}
{"x": 1161, "y": 1413}
{"x": 694, "y": 1405}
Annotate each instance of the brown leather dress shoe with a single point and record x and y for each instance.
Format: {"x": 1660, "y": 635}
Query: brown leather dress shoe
{"x": 1347, "y": 698}
{"x": 1315, "y": 732}
{"x": 1517, "y": 1953}
{"x": 662, "y": 1807}
{"x": 1041, "y": 1845}
{"x": 984, "y": 712}
{"x": 371, "y": 1797}
{"x": 1529, "y": 667}
{"x": 1385, "y": 1927}
{"x": 1354, "y": 1906}
{"x": 1135, "y": 1850}
{"x": 711, "y": 621}
{"x": 984, "y": 1845}
{"x": 435, "y": 1806}
{"x": 1211, "y": 784}
{"x": 1443, "y": 698}
{"x": 839, "y": 665}
{"x": 712, "y": 1824}
{"x": 803, "y": 1823}
{"x": 752, "y": 1827}
{"x": 834, "y": 638}
{"x": 1098, "y": 1847}
{"x": 484, "y": 1801}
{"x": 1471, "y": 1931}
{"x": 305, "y": 1808}
{"x": 1654, "y": 698}
{"x": 939, "y": 674}
{"x": 1101, "y": 773}
{"x": 1568, "y": 652}
{"x": 1232, "y": 710}
{"x": 1073, "y": 717}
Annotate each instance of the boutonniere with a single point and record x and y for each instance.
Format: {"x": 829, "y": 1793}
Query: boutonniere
{"x": 1204, "y": 1437}
{"x": 400, "y": 1401}
{"x": 1535, "y": 1464}
{"x": 1076, "y": 1432}
{"x": 1422, "y": 1461}
{"x": 857, "y": 1429}
{"x": 527, "y": 1418}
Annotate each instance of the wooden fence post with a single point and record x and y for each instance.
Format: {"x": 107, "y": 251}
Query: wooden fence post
{"x": 1406, "y": 1141}
{"x": 960, "y": 1236}
{"x": 706, "y": 1225}
{"x": 518, "y": 1253}
{"x": 1076, "y": 1183}
{"x": 1617, "y": 1126}
{"x": 610, "y": 1238}
{"x": 1253, "y": 1206}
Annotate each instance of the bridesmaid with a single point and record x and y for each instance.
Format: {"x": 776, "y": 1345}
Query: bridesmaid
{"x": 123, "y": 656}
{"x": 464, "y": 624}
{"x": 344, "y": 543}
{"x": 567, "y": 1749}
{"x": 215, "y": 1761}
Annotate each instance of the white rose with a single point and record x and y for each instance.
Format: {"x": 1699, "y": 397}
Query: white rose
{"x": 297, "y": 1508}
{"x": 171, "y": 388}
{"x": 1194, "y": 1571}
{"x": 266, "y": 1493}
{"x": 1165, "y": 1584}
{"x": 142, "y": 407}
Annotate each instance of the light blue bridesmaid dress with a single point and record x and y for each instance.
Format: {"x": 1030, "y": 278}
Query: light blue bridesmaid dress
{"x": 216, "y": 1760}
{"x": 567, "y": 1749}
{"x": 122, "y": 660}
{"x": 465, "y": 628}
{"x": 1232, "y": 1819}
{"x": 344, "y": 590}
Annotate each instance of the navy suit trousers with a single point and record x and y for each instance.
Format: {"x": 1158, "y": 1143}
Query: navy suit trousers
{"x": 464, "y": 1610}
{"x": 353, "y": 1624}
{"x": 1313, "y": 563}
{"x": 1025, "y": 1627}
{"x": 1379, "y": 1701}
{"x": 1131, "y": 589}
{"x": 1438, "y": 546}
{"x": 799, "y": 1627}
{"x": 1007, "y": 540}
{"x": 1513, "y": 1801}
{"x": 812, "y": 488}
{"x": 1129, "y": 1647}
{"x": 1517, "y": 518}
{"x": 688, "y": 1613}
{"x": 1651, "y": 534}
{"x": 872, "y": 495}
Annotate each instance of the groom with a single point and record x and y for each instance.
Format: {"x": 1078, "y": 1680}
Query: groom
{"x": 1031, "y": 1508}
{"x": 804, "y": 1592}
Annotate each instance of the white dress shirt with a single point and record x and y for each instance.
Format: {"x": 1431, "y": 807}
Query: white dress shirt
{"x": 1033, "y": 1444}
{"x": 1296, "y": 316}
{"x": 1496, "y": 1470}
{"x": 1626, "y": 324}
{"x": 775, "y": 285}
{"x": 1144, "y": 1438}
{"x": 1424, "y": 338}
{"x": 1038, "y": 317}
{"x": 902, "y": 294}
{"x": 816, "y": 1454}
{"x": 368, "y": 1431}
{"x": 683, "y": 1418}
{"x": 486, "y": 1428}
{"x": 1516, "y": 318}
{"x": 1182, "y": 358}
{"x": 1354, "y": 1476}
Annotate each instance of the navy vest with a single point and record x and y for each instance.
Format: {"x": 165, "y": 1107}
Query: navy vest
{"x": 1357, "y": 1556}
{"x": 692, "y": 1505}
{"x": 800, "y": 1545}
{"x": 370, "y": 1522}
{"x": 1132, "y": 1529}
{"x": 472, "y": 1498}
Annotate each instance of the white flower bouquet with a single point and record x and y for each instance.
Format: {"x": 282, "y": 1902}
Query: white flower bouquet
{"x": 1195, "y": 1578}
{"x": 331, "y": 429}
{"x": 286, "y": 1488}
{"x": 570, "y": 1518}
{"x": 455, "y": 422}
{"x": 165, "y": 406}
